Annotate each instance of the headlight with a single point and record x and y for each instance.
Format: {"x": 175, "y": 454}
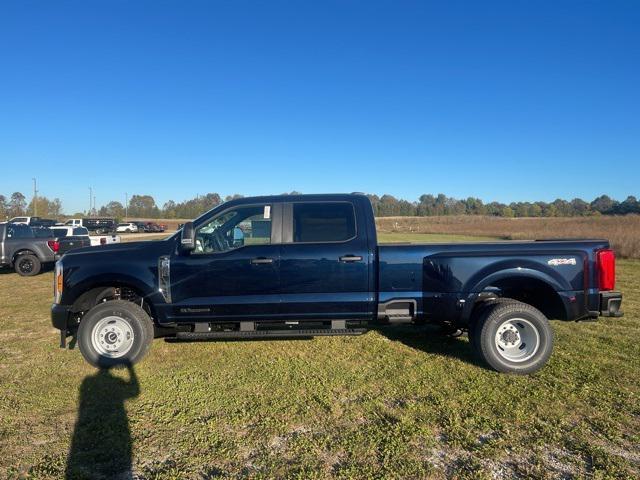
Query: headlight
{"x": 58, "y": 282}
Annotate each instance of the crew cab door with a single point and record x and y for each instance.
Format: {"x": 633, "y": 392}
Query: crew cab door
{"x": 233, "y": 273}
{"x": 324, "y": 262}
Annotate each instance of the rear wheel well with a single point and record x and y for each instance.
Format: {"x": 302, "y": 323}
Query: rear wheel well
{"x": 24, "y": 251}
{"x": 532, "y": 291}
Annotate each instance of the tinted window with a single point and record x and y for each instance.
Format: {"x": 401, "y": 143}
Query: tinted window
{"x": 19, "y": 231}
{"x": 323, "y": 222}
{"x": 80, "y": 231}
{"x": 42, "y": 232}
{"x": 59, "y": 232}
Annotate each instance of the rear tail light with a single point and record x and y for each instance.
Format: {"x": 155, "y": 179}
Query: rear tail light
{"x": 103, "y": 241}
{"x": 54, "y": 245}
{"x": 606, "y": 261}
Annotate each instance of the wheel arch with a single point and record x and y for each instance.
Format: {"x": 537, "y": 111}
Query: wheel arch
{"x": 528, "y": 286}
{"x": 23, "y": 251}
{"x": 92, "y": 296}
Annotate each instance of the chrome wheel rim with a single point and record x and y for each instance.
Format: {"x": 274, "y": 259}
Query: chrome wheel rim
{"x": 517, "y": 340}
{"x": 112, "y": 337}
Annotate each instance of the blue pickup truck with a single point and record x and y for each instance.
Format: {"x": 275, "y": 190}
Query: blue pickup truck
{"x": 307, "y": 265}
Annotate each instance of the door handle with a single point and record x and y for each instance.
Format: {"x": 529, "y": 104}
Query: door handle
{"x": 261, "y": 261}
{"x": 350, "y": 258}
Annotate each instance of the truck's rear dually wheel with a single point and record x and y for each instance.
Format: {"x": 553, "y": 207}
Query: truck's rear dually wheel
{"x": 513, "y": 337}
{"x": 115, "y": 333}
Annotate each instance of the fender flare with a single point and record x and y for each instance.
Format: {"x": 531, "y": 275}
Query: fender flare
{"x": 505, "y": 274}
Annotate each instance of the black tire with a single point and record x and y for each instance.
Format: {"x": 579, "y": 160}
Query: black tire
{"x": 27, "y": 265}
{"x": 131, "y": 319}
{"x": 526, "y": 341}
{"x": 480, "y": 312}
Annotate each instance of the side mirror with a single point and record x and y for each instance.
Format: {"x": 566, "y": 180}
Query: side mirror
{"x": 188, "y": 237}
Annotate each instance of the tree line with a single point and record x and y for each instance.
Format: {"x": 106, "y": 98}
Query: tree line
{"x": 144, "y": 206}
{"x": 16, "y": 206}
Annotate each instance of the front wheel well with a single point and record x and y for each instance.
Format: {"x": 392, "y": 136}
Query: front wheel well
{"x": 96, "y": 295}
{"x": 532, "y": 291}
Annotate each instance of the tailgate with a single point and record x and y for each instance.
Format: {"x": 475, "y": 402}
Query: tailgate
{"x": 71, "y": 243}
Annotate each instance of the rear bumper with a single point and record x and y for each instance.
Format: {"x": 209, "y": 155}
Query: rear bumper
{"x": 610, "y": 303}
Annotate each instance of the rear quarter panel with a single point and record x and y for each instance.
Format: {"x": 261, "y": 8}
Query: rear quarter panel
{"x": 443, "y": 277}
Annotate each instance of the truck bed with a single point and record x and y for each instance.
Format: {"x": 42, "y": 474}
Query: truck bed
{"x": 452, "y": 273}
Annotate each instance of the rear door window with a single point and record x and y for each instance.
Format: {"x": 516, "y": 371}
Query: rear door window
{"x": 323, "y": 222}
{"x": 19, "y": 231}
{"x": 80, "y": 231}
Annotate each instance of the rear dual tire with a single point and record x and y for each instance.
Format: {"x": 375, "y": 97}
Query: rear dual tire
{"x": 115, "y": 333}
{"x": 512, "y": 337}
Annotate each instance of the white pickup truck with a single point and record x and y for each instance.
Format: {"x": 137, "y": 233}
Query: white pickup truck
{"x": 67, "y": 231}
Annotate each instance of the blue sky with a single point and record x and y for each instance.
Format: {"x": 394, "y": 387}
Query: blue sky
{"x": 514, "y": 100}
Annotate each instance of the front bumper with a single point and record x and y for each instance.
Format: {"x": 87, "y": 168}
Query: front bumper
{"x": 60, "y": 315}
{"x": 610, "y": 303}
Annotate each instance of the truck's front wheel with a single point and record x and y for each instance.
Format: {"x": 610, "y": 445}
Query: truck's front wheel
{"x": 115, "y": 333}
{"x": 514, "y": 337}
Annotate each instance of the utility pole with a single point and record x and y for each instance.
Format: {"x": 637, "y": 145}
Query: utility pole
{"x": 126, "y": 205}
{"x": 90, "y": 199}
{"x": 94, "y": 203}
{"x": 35, "y": 198}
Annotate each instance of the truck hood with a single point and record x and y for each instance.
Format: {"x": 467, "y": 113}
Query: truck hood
{"x": 127, "y": 248}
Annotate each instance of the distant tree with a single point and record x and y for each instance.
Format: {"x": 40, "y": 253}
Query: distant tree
{"x": 45, "y": 207}
{"x": 143, "y": 206}
{"x": 4, "y": 207}
{"x": 629, "y": 205}
{"x": 580, "y": 207}
{"x": 196, "y": 206}
{"x": 17, "y": 205}
{"x": 169, "y": 209}
{"x": 112, "y": 209}
{"x": 508, "y": 212}
{"x": 55, "y": 207}
{"x": 474, "y": 206}
{"x": 563, "y": 207}
{"x": 603, "y": 204}
{"x": 535, "y": 210}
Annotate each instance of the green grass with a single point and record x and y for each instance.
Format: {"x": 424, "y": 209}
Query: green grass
{"x": 389, "y": 404}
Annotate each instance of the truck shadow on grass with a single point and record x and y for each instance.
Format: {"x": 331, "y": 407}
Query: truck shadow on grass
{"x": 101, "y": 444}
{"x": 430, "y": 339}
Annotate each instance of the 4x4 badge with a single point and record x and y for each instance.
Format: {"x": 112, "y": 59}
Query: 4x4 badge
{"x": 562, "y": 261}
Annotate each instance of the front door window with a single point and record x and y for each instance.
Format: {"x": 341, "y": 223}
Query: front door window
{"x": 247, "y": 225}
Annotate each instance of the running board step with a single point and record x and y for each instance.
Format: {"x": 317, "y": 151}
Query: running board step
{"x": 270, "y": 333}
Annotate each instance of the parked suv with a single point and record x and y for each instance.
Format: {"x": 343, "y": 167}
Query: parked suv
{"x": 127, "y": 228}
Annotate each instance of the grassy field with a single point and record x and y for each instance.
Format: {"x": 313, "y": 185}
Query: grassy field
{"x": 622, "y": 231}
{"x": 389, "y": 404}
